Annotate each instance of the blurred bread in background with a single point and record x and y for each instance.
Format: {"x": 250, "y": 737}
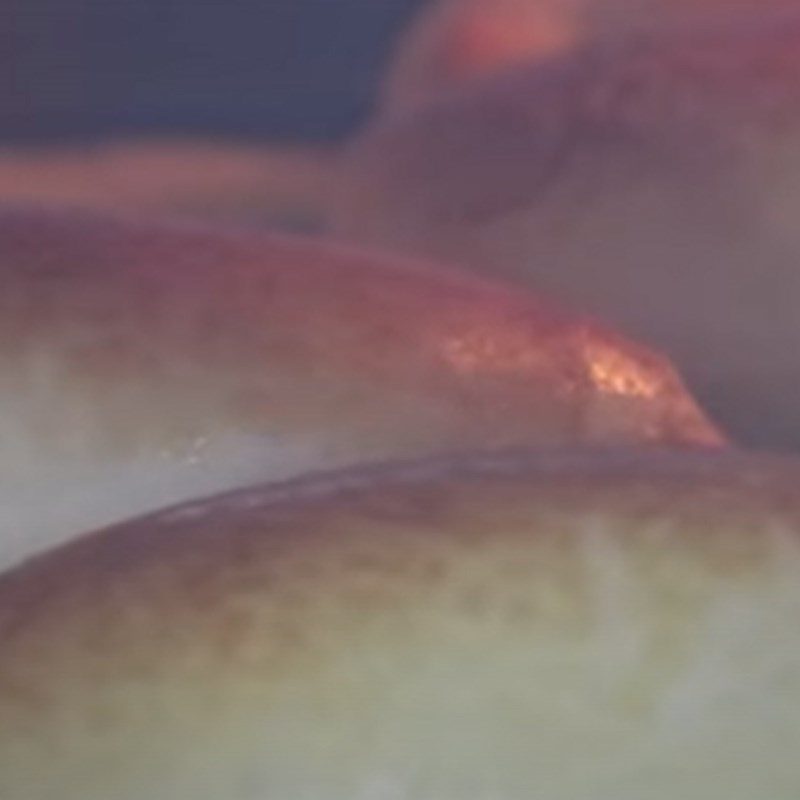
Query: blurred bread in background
{"x": 450, "y": 42}
{"x": 262, "y": 186}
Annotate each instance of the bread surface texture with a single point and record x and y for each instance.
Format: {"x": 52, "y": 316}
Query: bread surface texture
{"x": 566, "y": 625}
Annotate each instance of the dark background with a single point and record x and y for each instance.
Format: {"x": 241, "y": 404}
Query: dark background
{"x": 78, "y": 70}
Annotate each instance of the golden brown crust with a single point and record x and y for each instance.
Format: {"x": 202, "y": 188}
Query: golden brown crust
{"x": 292, "y": 335}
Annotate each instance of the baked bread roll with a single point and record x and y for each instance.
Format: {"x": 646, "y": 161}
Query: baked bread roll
{"x": 450, "y": 42}
{"x": 143, "y": 363}
{"x": 654, "y": 182}
{"x": 574, "y": 626}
